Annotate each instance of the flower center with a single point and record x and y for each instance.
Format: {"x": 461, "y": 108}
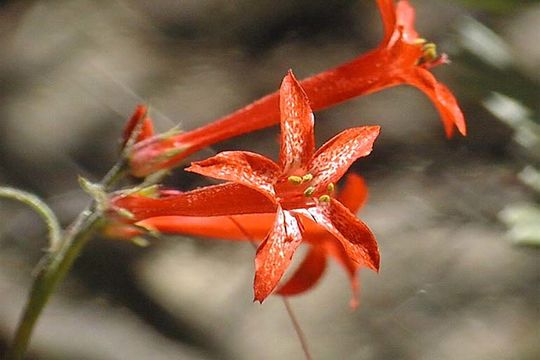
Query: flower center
{"x": 298, "y": 191}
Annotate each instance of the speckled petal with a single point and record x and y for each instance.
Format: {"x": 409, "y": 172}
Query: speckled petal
{"x": 335, "y": 157}
{"x": 275, "y": 254}
{"x": 243, "y": 167}
{"x": 297, "y": 139}
{"x": 357, "y": 240}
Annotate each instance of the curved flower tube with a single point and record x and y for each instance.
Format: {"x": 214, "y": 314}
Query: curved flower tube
{"x": 401, "y": 58}
{"x": 300, "y": 187}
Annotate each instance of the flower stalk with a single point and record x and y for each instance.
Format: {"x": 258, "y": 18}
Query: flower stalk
{"x": 57, "y": 266}
{"x": 53, "y": 225}
{"x": 58, "y": 263}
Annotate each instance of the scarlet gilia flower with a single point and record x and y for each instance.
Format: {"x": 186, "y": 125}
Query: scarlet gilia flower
{"x": 401, "y": 58}
{"x": 254, "y": 227}
{"x": 146, "y": 127}
{"x": 299, "y": 187}
{"x": 407, "y": 58}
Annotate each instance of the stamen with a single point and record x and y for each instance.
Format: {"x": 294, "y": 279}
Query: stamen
{"x": 309, "y": 191}
{"x": 430, "y": 52}
{"x": 324, "y": 198}
{"x": 307, "y": 177}
{"x": 331, "y": 187}
{"x": 149, "y": 191}
{"x": 295, "y": 180}
{"x": 419, "y": 41}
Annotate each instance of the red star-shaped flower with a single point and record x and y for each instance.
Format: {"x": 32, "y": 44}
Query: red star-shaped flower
{"x": 299, "y": 187}
{"x": 254, "y": 227}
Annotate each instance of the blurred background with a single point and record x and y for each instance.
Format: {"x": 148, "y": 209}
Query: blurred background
{"x": 458, "y": 222}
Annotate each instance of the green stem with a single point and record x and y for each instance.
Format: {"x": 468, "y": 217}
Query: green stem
{"x": 50, "y": 276}
{"x": 55, "y": 231}
{"x": 58, "y": 265}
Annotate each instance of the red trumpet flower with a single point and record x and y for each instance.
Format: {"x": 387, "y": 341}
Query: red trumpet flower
{"x": 299, "y": 187}
{"x": 254, "y": 227}
{"x": 401, "y": 58}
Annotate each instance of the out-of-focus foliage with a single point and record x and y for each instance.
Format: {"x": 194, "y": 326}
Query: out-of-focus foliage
{"x": 523, "y": 219}
{"x": 514, "y": 101}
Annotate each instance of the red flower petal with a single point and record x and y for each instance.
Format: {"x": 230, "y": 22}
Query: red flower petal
{"x": 353, "y": 195}
{"x": 246, "y": 168}
{"x": 308, "y": 273}
{"x": 388, "y": 17}
{"x": 223, "y": 199}
{"x": 442, "y": 98}
{"x": 357, "y": 240}
{"x": 335, "y": 157}
{"x": 297, "y": 139}
{"x": 275, "y": 254}
{"x": 398, "y": 21}
{"x": 405, "y": 15}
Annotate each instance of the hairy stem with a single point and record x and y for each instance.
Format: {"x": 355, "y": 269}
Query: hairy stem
{"x": 53, "y": 225}
{"x": 58, "y": 264}
{"x": 56, "y": 268}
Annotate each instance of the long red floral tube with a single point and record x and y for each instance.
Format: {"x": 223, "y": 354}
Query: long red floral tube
{"x": 300, "y": 187}
{"x": 401, "y": 58}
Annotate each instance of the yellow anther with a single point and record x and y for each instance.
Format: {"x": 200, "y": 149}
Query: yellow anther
{"x": 331, "y": 187}
{"x": 419, "y": 41}
{"x": 309, "y": 191}
{"x": 324, "y": 198}
{"x": 295, "y": 180}
{"x": 307, "y": 177}
{"x": 430, "y": 52}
